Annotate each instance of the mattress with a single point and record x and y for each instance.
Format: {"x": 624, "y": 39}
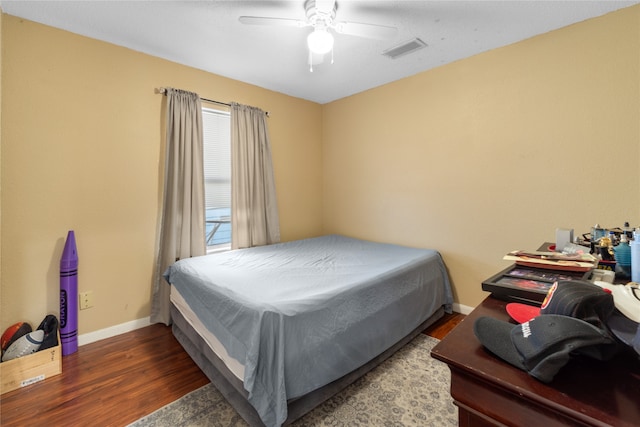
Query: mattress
{"x": 233, "y": 365}
{"x": 299, "y": 315}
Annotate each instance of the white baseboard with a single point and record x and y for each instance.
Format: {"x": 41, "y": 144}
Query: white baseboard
{"x": 122, "y": 328}
{"x": 462, "y": 309}
{"x": 112, "y": 331}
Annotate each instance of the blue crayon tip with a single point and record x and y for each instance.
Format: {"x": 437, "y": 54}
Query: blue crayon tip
{"x": 69, "y": 259}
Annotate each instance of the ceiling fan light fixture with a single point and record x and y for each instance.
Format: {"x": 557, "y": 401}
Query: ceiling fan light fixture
{"x": 320, "y": 41}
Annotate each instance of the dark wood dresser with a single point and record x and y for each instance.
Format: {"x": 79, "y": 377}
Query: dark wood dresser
{"x": 490, "y": 392}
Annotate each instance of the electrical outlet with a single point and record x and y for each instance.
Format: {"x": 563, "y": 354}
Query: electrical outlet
{"x": 86, "y": 300}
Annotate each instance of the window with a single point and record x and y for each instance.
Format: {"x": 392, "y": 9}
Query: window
{"x": 217, "y": 178}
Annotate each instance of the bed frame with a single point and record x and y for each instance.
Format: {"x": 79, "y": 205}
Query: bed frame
{"x": 232, "y": 388}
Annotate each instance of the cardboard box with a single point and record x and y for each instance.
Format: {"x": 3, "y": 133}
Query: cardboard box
{"x": 31, "y": 369}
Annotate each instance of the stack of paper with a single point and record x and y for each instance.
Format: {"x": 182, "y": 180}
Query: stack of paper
{"x": 553, "y": 260}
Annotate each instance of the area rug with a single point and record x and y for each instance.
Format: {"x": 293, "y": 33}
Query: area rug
{"x": 408, "y": 389}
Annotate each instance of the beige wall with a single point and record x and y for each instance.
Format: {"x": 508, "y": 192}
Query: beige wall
{"x": 1, "y": 62}
{"x": 493, "y": 153}
{"x": 81, "y": 132}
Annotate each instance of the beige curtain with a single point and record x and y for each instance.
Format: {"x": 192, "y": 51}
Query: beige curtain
{"x": 254, "y": 211}
{"x": 182, "y": 222}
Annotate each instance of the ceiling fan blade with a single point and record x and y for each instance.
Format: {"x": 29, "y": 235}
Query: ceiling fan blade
{"x": 365, "y": 30}
{"x": 262, "y": 20}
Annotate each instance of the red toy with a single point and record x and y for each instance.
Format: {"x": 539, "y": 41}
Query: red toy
{"x": 12, "y": 333}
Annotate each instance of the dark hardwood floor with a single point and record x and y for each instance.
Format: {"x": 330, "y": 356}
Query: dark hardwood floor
{"x": 443, "y": 326}
{"x": 115, "y": 381}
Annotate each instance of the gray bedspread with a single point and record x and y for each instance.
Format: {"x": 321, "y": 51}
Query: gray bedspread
{"x": 301, "y": 314}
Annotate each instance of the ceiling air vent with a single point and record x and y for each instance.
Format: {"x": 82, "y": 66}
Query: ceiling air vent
{"x": 404, "y": 48}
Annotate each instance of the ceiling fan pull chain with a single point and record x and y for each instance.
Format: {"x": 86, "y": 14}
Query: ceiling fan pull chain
{"x": 310, "y": 62}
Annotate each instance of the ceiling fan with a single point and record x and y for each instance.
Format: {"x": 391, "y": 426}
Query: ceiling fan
{"x": 321, "y": 14}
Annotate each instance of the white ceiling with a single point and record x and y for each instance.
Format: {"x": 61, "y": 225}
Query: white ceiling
{"x": 207, "y": 35}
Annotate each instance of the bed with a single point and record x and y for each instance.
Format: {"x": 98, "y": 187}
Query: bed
{"x": 279, "y": 329}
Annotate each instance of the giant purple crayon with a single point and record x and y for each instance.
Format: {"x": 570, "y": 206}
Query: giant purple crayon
{"x": 69, "y": 296}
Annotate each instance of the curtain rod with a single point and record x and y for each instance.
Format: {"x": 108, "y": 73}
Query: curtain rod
{"x": 164, "y": 92}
